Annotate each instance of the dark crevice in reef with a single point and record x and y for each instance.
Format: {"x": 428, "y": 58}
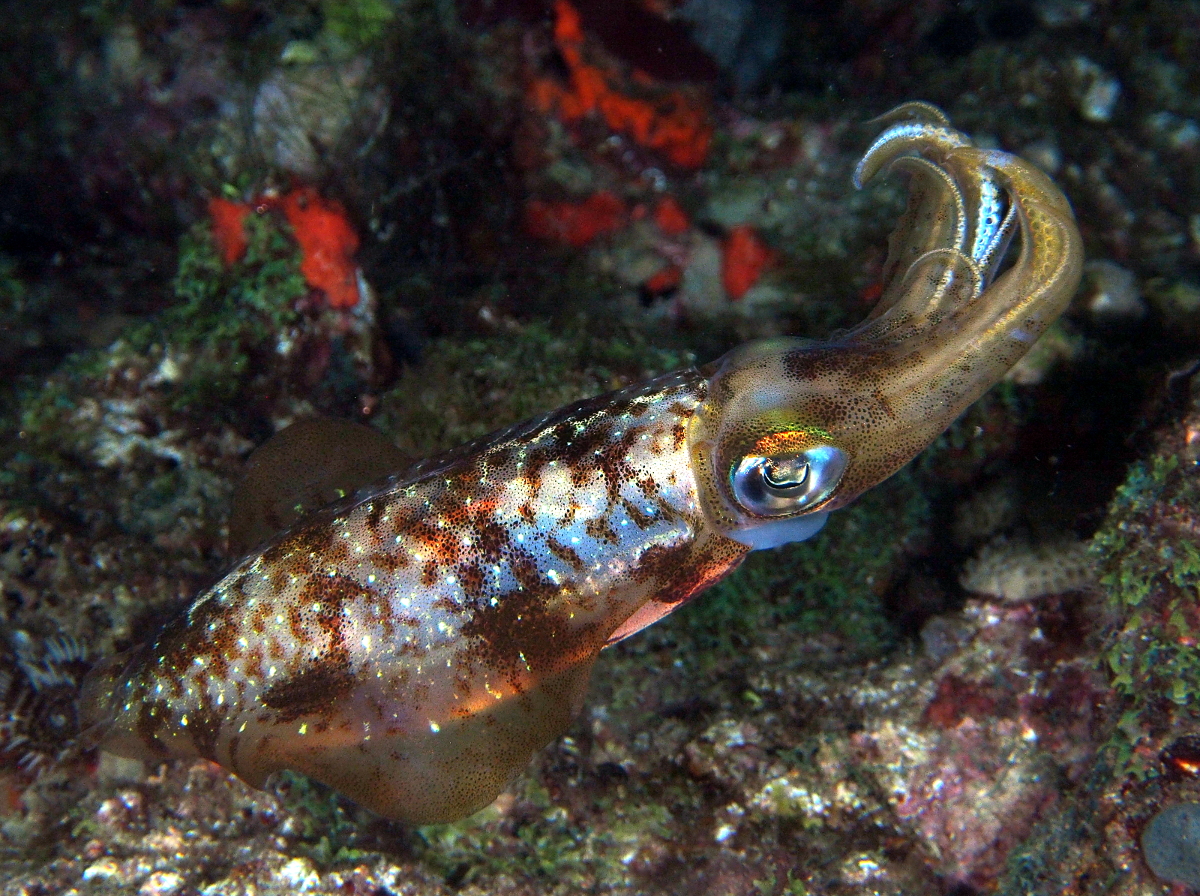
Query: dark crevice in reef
{"x": 1075, "y": 435}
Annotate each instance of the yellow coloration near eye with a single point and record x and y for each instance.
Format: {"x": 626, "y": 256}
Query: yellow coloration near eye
{"x": 789, "y": 442}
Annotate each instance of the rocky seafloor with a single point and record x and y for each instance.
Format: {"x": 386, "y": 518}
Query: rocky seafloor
{"x": 980, "y": 678}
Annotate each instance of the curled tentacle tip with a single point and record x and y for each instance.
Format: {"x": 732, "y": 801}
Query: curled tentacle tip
{"x": 918, "y": 110}
{"x": 902, "y": 138}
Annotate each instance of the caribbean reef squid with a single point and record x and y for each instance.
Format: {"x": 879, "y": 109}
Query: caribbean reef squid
{"x": 414, "y": 644}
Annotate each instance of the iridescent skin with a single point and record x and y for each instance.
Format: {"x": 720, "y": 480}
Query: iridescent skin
{"x": 413, "y": 646}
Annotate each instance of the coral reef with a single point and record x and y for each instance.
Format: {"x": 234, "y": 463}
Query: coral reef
{"x": 847, "y": 716}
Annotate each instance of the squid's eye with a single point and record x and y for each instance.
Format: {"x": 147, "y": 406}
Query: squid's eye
{"x": 789, "y": 483}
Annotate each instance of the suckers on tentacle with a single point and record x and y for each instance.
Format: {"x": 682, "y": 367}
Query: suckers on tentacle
{"x": 413, "y": 645}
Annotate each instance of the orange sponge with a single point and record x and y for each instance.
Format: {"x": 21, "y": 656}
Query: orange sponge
{"x": 327, "y": 241}
{"x": 575, "y": 223}
{"x": 744, "y": 257}
{"x": 327, "y": 245}
{"x": 229, "y": 228}
{"x": 671, "y": 123}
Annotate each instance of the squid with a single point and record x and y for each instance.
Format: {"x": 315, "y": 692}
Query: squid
{"x": 414, "y": 644}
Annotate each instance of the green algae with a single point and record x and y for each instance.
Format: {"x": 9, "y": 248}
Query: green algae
{"x": 790, "y": 886}
{"x": 1151, "y": 576}
{"x": 12, "y": 289}
{"x": 260, "y": 287}
{"x": 542, "y": 842}
{"x": 228, "y": 314}
{"x": 465, "y": 388}
{"x": 327, "y": 827}
{"x": 359, "y": 23}
{"x": 115, "y": 434}
{"x": 1049, "y": 859}
{"x": 833, "y": 584}
{"x": 198, "y": 353}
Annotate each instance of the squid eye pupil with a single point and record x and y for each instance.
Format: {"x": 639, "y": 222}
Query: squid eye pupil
{"x": 789, "y": 484}
{"x": 785, "y": 474}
